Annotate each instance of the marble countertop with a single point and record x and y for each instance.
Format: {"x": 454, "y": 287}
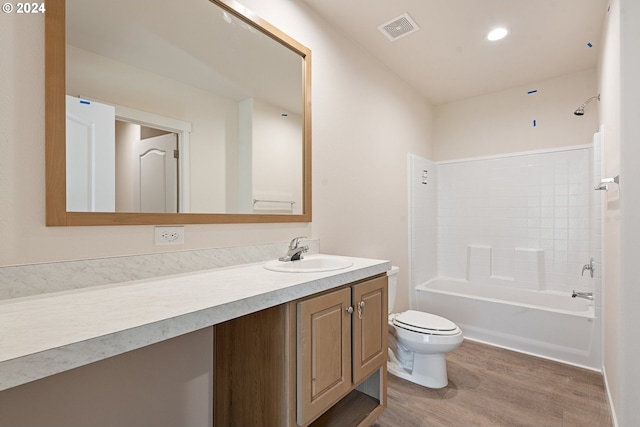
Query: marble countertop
{"x": 47, "y": 334}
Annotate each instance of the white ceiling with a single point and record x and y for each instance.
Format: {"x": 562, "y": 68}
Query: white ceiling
{"x": 449, "y": 59}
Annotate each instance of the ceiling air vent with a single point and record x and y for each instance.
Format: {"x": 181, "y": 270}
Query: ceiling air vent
{"x": 399, "y": 27}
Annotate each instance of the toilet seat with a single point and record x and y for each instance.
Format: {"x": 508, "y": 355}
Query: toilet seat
{"x": 425, "y": 323}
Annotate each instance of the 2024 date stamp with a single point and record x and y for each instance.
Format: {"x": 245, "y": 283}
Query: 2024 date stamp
{"x": 23, "y": 8}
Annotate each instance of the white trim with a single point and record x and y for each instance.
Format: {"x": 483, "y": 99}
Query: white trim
{"x": 155, "y": 120}
{"x": 412, "y": 289}
{"x": 612, "y": 409}
{"x": 518, "y": 154}
{"x": 144, "y": 118}
{"x": 180, "y": 127}
{"x": 91, "y": 161}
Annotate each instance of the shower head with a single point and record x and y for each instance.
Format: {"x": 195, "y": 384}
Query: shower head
{"x": 580, "y": 110}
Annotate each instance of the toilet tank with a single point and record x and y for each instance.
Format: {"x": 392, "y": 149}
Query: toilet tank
{"x": 393, "y": 286}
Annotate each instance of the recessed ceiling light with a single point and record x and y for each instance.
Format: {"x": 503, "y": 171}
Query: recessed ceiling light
{"x": 497, "y": 34}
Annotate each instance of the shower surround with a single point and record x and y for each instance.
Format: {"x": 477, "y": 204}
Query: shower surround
{"x": 527, "y": 221}
{"x": 519, "y": 207}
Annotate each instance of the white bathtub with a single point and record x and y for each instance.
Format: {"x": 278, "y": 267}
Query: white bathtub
{"x": 549, "y": 325}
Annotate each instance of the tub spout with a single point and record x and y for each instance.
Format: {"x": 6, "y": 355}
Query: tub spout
{"x": 586, "y": 295}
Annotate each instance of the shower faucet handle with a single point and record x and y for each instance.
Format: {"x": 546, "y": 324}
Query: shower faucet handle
{"x": 588, "y": 267}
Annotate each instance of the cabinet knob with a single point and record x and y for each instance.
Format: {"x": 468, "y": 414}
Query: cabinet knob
{"x": 349, "y": 309}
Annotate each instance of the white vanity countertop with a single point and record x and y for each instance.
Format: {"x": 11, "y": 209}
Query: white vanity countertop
{"x": 52, "y": 333}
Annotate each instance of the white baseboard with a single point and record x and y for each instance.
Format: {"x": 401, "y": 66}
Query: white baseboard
{"x": 612, "y": 409}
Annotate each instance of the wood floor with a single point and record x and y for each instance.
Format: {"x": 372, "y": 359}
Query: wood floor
{"x": 489, "y": 386}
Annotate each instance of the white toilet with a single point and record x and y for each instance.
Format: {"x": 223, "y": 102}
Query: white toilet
{"x": 419, "y": 342}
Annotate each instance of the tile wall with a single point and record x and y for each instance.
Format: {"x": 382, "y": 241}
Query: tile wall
{"x": 537, "y": 201}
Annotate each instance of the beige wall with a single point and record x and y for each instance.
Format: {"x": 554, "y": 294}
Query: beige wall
{"x": 167, "y": 384}
{"x": 213, "y": 118}
{"x": 276, "y": 157}
{"x": 365, "y": 120}
{"x": 630, "y": 210}
{"x": 502, "y": 122}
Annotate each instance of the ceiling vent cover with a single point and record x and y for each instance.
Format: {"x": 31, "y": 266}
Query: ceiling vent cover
{"x": 399, "y": 27}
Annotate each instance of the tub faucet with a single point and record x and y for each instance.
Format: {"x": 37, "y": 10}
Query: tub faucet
{"x": 586, "y": 295}
{"x": 588, "y": 267}
{"x": 295, "y": 251}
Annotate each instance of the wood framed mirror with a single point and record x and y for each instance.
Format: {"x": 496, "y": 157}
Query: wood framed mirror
{"x": 237, "y": 200}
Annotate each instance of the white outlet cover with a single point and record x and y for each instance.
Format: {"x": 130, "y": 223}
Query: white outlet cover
{"x": 164, "y": 235}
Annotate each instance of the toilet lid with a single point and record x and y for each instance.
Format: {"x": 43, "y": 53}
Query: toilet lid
{"x": 425, "y": 323}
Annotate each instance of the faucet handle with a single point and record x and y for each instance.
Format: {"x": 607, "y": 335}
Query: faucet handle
{"x": 295, "y": 241}
{"x": 588, "y": 267}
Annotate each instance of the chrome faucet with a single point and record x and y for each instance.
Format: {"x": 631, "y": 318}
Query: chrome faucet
{"x": 295, "y": 250}
{"x": 588, "y": 267}
{"x": 586, "y": 295}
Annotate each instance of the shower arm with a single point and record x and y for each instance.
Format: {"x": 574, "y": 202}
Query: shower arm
{"x": 580, "y": 110}
{"x": 589, "y": 100}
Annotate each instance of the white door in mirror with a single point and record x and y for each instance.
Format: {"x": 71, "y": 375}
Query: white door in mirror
{"x": 90, "y": 156}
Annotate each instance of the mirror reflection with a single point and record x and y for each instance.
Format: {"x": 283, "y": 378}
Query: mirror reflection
{"x": 180, "y": 107}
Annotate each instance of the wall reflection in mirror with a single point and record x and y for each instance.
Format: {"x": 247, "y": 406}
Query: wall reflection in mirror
{"x": 178, "y": 106}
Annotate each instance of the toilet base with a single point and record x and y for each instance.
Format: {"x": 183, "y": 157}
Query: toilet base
{"x": 429, "y": 370}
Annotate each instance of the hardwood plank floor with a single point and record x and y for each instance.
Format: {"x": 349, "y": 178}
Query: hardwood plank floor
{"x": 490, "y": 386}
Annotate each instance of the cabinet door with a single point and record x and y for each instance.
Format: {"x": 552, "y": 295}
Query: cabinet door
{"x": 369, "y": 327}
{"x": 324, "y": 353}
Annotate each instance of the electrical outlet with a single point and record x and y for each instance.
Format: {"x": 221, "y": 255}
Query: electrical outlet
{"x": 169, "y": 235}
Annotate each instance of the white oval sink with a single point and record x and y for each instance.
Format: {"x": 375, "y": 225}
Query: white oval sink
{"x": 309, "y": 264}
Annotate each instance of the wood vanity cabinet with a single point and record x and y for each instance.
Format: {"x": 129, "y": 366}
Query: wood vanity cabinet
{"x": 317, "y": 361}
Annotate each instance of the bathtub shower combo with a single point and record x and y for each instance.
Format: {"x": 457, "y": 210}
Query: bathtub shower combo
{"x": 554, "y": 326}
{"x": 509, "y": 248}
